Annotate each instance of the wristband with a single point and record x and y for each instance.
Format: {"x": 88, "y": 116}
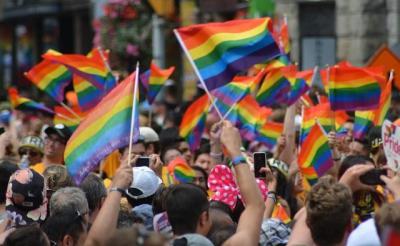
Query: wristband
{"x": 238, "y": 160}
{"x": 272, "y": 196}
{"x": 122, "y": 191}
{"x": 271, "y": 192}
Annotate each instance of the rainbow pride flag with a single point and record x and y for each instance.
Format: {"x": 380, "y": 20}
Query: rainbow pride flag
{"x": 363, "y": 121}
{"x": 315, "y": 157}
{"x": 247, "y": 117}
{"x": 105, "y": 129}
{"x": 281, "y": 35}
{"x": 324, "y": 115}
{"x": 193, "y": 121}
{"x": 181, "y": 171}
{"x": 384, "y": 104}
{"x": 92, "y": 69}
{"x": 65, "y": 117}
{"x": 269, "y": 133}
{"x": 222, "y": 50}
{"x": 25, "y": 104}
{"x": 51, "y": 78}
{"x": 154, "y": 79}
{"x": 353, "y": 88}
{"x": 89, "y": 95}
{"x": 274, "y": 89}
{"x": 298, "y": 83}
{"x": 228, "y": 95}
{"x": 279, "y": 212}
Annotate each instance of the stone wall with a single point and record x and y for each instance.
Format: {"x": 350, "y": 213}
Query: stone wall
{"x": 362, "y": 26}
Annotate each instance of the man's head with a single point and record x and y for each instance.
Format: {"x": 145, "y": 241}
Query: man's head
{"x": 151, "y": 140}
{"x": 188, "y": 210}
{"x": 359, "y": 147}
{"x": 388, "y": 216}
{"x": 184, "y": 148}
{"x": 56, "y": 177}
{"x": 329, "y": 211}
{"x": 54, "y": 143}
{"x": 144, "y": 186}
{"x": 95, "y": 192}
{"x": 69, "y": 198}
{"x": 67, "y": 227}
{"x": 28, "y": 235}
{"x": 353, "y": 160}
{"x": 138, "y": 148}
{"x": 32, "y": 147}
{"x": 6, "y": 170}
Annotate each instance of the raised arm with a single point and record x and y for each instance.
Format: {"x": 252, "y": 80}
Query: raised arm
{"x": 287, "y": 154}
{"x": 106, "y": 222}
{"x": 249, "y": 226}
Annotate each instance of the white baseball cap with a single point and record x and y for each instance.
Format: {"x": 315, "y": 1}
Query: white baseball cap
{"x": 148, "y": 134}
{"x": 145, "y": 183}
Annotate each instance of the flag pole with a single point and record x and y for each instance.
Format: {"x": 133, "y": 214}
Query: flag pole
{"x": 66, "y": 117}
{"x": 106, "y": 64}
{"x": 333, "y": 120}
{"x": 133, "y": 113}
{"x": 178, "y": 37}
{"x": 70, "y": 110}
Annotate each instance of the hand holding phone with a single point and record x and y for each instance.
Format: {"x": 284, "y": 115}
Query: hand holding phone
{"x": 372, "y": 177}
{"x": 260, "y": 161}
{"x": 143, "y": 161}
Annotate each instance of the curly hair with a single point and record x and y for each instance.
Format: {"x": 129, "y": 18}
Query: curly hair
{"x": 329, "y": 211}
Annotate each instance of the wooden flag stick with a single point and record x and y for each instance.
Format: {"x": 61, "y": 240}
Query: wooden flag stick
{"x": 70, "y": 110}
{"x": 133, "y": 113}
{"x": 178, "y": 37}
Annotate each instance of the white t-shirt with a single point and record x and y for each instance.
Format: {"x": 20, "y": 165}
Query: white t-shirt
{"x": 364, "y": 235}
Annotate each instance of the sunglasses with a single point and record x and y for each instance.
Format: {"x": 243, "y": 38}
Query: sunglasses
{"x": 29, "y": 152}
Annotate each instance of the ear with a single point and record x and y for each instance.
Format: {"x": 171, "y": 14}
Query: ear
{"x": 204, "y": 218}
{"x": 67, "y": 241}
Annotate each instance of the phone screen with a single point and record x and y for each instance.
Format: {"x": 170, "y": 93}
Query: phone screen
{"x": 260, "y": 161}
{"x": 143, "y": 161}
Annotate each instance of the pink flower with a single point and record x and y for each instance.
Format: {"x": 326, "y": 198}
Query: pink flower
{"x": 132, "y": 50}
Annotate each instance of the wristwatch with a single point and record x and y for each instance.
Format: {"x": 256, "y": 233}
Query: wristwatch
{"x": 122, "y": 191}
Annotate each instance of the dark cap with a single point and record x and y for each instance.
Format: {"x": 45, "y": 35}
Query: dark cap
{"x": 26, "y": 200}
{"x": 60, "y": 130}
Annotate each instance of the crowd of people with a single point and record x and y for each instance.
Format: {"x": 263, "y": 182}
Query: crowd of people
{"x": 127, "y": 203}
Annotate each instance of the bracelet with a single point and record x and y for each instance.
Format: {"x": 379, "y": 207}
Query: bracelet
{"x": 271, "y": 192}
{"x": 238, "y": 160}
{"x": 272, "y": 196}
{"x": 122, "y": 191}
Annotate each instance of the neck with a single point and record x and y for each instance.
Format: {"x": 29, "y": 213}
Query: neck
{"x": 48, "y": 160}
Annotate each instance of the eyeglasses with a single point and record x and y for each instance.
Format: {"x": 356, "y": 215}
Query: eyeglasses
{"x": 54, "y": 140}
{"x": 29, "y": 152}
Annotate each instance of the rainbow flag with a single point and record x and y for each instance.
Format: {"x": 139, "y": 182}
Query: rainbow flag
{"x": 353, "y": 88}
{"x": 269, "y": 133}
{"x": 89, "y": 95}
{"x": 362, "y": 123}
{"x": 247, "y": 116}
{"x": 181, "y": 171}
{"x": 154, "y": 79}
{"x": 279, "y": 212}
{"x": 274, "y": 88}
{"x": 92, "y": 69}
{"x": 51, "y": 78}
{"x": 25, "y": 104}
{"x": 315, "y": 157}
{"x": 324, "y": 115}
{"x": 384, "y": 104}
{"x": 105, "y": 129}
{"x": 193, "y": 121}
{"x": 222, "y": 50}
{"x": 65, "y": 117}
{"x": 228, "y": 95}
{"x": 281, "y": 36}
{"x": 298, "y": 83}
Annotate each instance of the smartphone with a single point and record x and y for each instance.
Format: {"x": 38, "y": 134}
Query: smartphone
{"x": 2, "y": 130}
{"x": 143, "y": 161}
{"x": 260, "y": 160}
{"x": 372, "y": 177}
